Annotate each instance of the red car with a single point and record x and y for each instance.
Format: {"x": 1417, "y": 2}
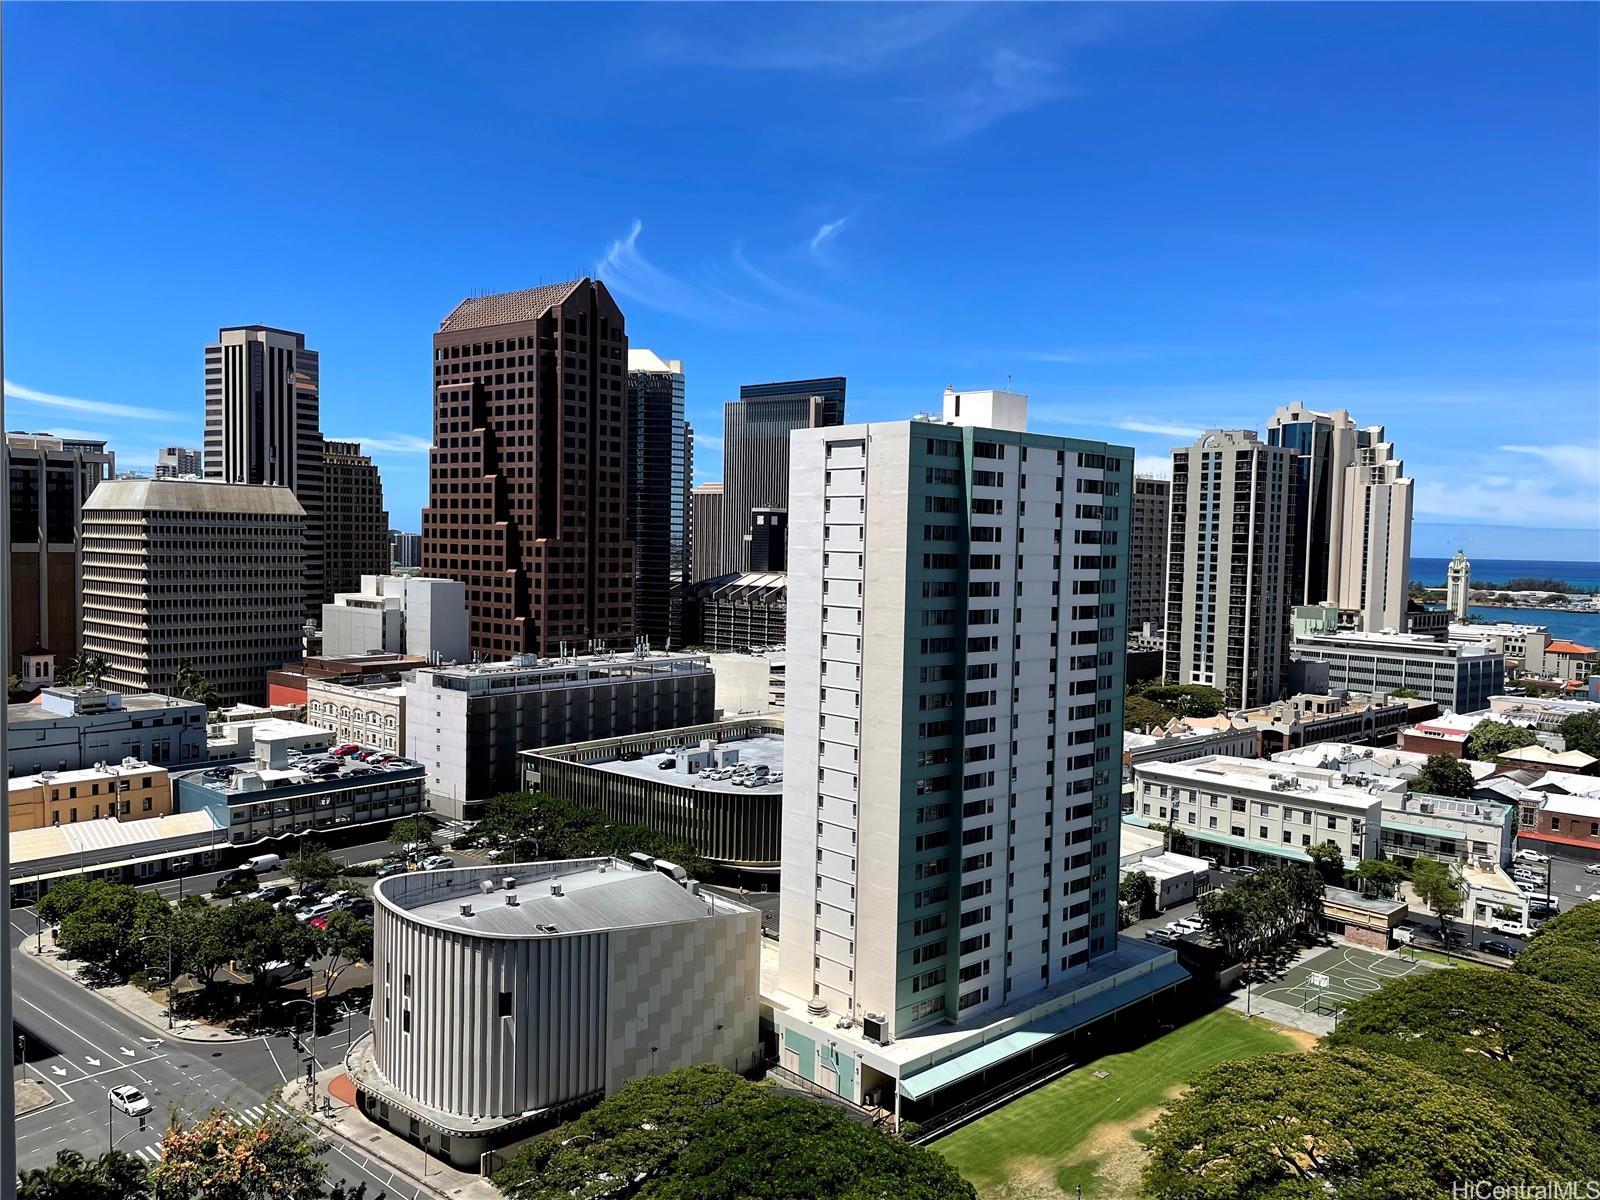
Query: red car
{"x": 347, "y": 748}
{"x": 318, "y": 922}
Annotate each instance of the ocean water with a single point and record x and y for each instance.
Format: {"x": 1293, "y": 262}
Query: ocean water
{"x": 1431, "y": 572}
{"x": 1583, "y": 628}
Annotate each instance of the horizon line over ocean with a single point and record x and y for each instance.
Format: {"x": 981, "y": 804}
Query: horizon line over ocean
{"x": 1430, "y": 572}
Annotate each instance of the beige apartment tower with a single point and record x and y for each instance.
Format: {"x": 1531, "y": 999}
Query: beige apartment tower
{"x": 1232, "y": 573}
{"x": 263, "y": 426}
{"x": 1147, "y": 553}
{"x": 177, "y": 570}
{"x": 1375, "y": 537}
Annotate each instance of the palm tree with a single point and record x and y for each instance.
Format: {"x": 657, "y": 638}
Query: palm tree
{"x": 190, "y": 684}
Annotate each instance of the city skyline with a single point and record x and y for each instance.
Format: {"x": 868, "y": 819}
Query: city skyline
{"x": 1357, "y": 273}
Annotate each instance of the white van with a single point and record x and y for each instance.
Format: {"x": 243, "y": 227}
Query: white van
{"x": 263, "y": 862}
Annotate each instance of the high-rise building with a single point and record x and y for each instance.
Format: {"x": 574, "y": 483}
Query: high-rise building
{"x": 1326, "y": 445}
{"x": 659, "y": 477}
{"x": 755, "y": 451}
{"x": 405, "y": 549}
{"x": 263, "y": 426}
{"x": 706, "y": 531}
{"x": 356, "y": 538}
{"x": 1458, "y": 585}
{"x": 1147, "y": 553}
{"x": 191, "y": 570}
{"x": 527, "y": 476}
{"x": 1374, "y": 559}
{"x": 956, "y": 624}
{"x": 50, "y": 478}
{"x": 1232, "y": 570}
{"x": 173, "y": 462}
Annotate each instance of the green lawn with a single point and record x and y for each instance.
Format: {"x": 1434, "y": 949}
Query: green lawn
{"x": 1084, "y": 1130}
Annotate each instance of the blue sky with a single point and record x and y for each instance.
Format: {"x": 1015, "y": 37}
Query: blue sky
{"x": 1151, "y": 218}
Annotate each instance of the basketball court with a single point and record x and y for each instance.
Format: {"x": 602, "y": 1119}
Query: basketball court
{"x": 1333, "y": 979}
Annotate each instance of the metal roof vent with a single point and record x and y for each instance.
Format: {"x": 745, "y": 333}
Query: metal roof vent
{"x": 511, "y": 900}
{"x": 466, "y": 910}
{"x": 555, "y": 890}
{"x": 507, "y": 882}
{"x": 486, "y": 886}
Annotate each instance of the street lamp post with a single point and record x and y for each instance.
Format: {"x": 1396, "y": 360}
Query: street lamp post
{"x": 171, "y": 982}
{"x": 22, "y": 1045}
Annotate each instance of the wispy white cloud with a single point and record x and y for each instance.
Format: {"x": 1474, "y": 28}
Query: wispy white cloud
{"x": 1005, "y": 81}
{"x": 1189, "y": 432}
{"x": 391, "y": 443}
{"x": 104, "y": 408}
{"x": 1499, "y": 499}
{"x": 843, "y": 39}
{"x": 1575, "y": 462}
{"x": 826, "y": 231}
{"x": 707, "y": 441}
{"x": 1078, "y": 356}
{"x": 627, "y": 271}
{"x": 776, "y": 287}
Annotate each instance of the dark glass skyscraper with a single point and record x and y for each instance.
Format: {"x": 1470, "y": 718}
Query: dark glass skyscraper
{"x": 659, "y": 479}
{"x": 755, "y": 451}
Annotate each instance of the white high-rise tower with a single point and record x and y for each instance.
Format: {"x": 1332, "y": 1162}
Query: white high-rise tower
{"x": 1457, "y": 584}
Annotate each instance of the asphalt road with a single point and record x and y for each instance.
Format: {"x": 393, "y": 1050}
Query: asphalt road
{"x": 80, "y": 1046}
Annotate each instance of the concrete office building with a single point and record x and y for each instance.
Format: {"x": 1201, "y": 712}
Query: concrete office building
{"x": 177, "y": 570}
{"x": 405, "y": 549}
{"x": 755, "y": 452}
{"x": 955, "y": 685}
{"x": 264, "y": 426}
{"x": 706, "y": 532}
{"x": 742, "y": 612}
{"x": 70, "y": 728}
{"x": 504, "y": 996}
{"x": 368, "y": 714}
{"x": 49, "y": 479}
{"x": 1243, "y": 811}
{"x": 528, "y": 472}
{"x": 660, "y": 472}
{"x": 466, "y": 724}
{"x": 733, "y": 825}
{"x": 1232, "y": 570}
{"x": 1147, "y": 552}
{"x": 398, "y": 614}
{"x": 175, "y": 462}
{"x": 1374, "y": 556}
{"x": 1458, "y": 585}
{"x": 356, "y": 526}
{"x": 1417, "y": 825}
{"x": 1324, "y": 445}
{"x": 1460, "y": 676}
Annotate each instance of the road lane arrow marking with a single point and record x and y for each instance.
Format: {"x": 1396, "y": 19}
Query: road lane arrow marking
{"x": 127, "y": 1052}
{"x": 93, "y": 1062}
{"x": 59, "y": 1070}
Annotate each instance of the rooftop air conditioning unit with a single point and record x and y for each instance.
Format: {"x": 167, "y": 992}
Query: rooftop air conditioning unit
{"x": 507, "y": 882}
{"x": 555, "y": 890}
{"x": 466, "y": 910}
{"x": 875, "y": 1028}
{"x": 511, "y": 900}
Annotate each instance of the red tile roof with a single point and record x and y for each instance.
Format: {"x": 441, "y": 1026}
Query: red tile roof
{"x": 1568, "y": 648}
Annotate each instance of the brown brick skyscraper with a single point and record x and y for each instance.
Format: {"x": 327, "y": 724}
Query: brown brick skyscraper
{"x": 526, "y": 475}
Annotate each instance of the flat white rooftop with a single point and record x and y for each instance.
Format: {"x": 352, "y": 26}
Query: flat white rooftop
{"x": 1262, "y": 778}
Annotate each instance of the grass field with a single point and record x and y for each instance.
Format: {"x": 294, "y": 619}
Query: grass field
{"x": 1084, "y": 1130}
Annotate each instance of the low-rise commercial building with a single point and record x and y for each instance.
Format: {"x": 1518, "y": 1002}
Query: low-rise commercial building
{"x": 292, "y": 786}
{"x": 368, "y": 714}
{"x": 1417, "y": 825}
{"x": 1309, "y": 718}
{"x": 1364, "y": 920}
{"x": 466, "y": 724}
{"x": 1558, "y": 658}
{"x": 1370, "y": 762}
{"x": 1568, "y": 820}
{"x": 1182, "y": 740}
{"x": 1460, "y": 676}
{"x": 128, "y": 791}
{"x": 1544, "y": 713}
{"x": 289, "y": 684}
{"x": 1246, "y": 811}
{"x": 1542, "y": 758}
{"x": 1178, "y": 878}
{"x": 658, "y": 780}
{"x": 1506, "y": 637}
{"x": 116, "y": 851}
{"x": 503, "y": 996}
{"x": 69, "y": 728}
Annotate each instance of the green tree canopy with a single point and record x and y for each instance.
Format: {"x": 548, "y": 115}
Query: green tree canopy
{"x": 411, "y": 829}
{"x": 1490, "y": 739}
{"x": 314, "y": 864}
{"x": 106, "y": 925}
{"x": 1140, "y": 713}
{"x": 1376, "y": 877}
{"x": 1581, "y": 731}
{"x": 704, "y": 1133}
{"x": 1566, "y": 951}
{"x": 1332, "y": 1124}
{"x": 190, "y": 684}
{"x": 1404, "y": 693}
{"x": 538, "y": 826}
{"x": 1138, "y": 891}
{"x": 1328, "y": 859}
{"x": 115, "y": 1175}
{"x": 1444, "y": 775}
{"x": 1186, "y": 699}
{"x": 214, "y": 1158}
{"x": 1435, "y": 885}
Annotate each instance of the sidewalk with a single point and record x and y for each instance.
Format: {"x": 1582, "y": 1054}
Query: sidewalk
{"x": 138, "y": 1004}
{"x": 385, "y": 1151}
